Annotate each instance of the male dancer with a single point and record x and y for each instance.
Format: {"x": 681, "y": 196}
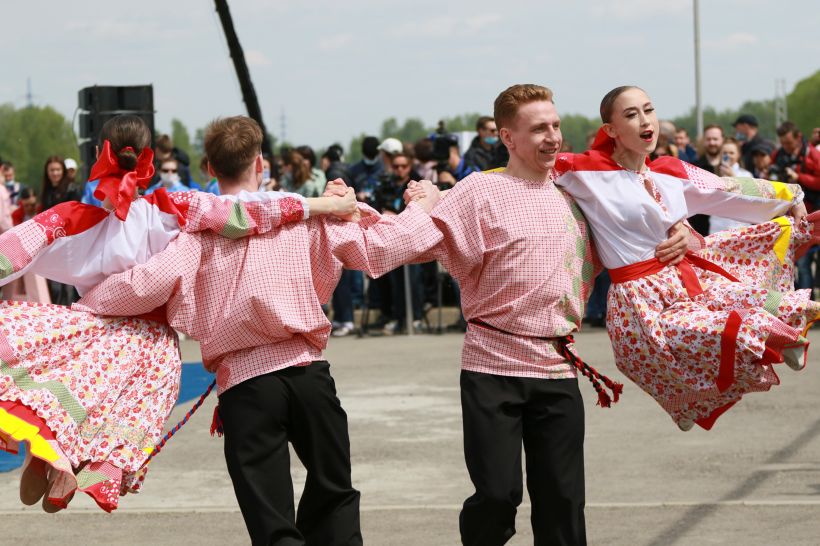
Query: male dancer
{"x": 519, "y": 249}
{"x": 254, "y": 304}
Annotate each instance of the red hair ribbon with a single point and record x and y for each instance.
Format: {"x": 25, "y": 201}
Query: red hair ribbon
{"x": 117, "y": 184}
{"x": 603, "y": 142}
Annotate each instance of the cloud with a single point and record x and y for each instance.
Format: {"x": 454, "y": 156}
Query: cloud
{"x": 446, "y": 26}
{"x": 732, "y": 42}
{"x": 334, "y": 41}
{"x": 254, "y": 57}
{"x": 640, "y": 9}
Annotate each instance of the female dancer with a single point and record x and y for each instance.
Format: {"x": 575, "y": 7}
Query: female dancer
{"x": 90, "y": 395}
{"x": 691, "y": 336}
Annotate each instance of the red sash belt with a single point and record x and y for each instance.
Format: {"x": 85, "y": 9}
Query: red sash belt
{"x": 690, "y": 280}
{"x": 688, "y": 276}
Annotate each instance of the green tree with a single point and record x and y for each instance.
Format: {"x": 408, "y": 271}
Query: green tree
{"x": 29, "y": 135}
{"x": 463, "y": 122}
{"x": 804, "y": 103}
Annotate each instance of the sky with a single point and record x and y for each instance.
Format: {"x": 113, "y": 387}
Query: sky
{"x": 337, "y": 69}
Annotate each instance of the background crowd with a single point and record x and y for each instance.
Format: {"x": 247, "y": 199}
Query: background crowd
{"x": 381, "y": 176}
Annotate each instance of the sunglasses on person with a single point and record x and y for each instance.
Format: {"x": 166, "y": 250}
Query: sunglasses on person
{"x": 168, "y": 170}
{"x": 401, "y": 165}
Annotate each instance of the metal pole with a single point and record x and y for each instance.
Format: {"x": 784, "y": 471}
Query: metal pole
{"x": 242, "y": 72}
{"x": 408, "y": 301}
{"x": 698, "y": 104}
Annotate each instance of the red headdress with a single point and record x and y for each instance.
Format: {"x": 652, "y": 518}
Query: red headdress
{"x": 603, "y": 142}
{"x": 117, "y": 184}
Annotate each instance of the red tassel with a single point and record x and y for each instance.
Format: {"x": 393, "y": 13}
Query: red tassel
{"x": 617, "y": 390}
{"x": 216, "y": 423}
{"x": 604, "y": 400}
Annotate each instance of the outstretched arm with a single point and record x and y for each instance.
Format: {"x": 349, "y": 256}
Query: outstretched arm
{"x": 745, "y": 199}
{"x": 147, "y": 286}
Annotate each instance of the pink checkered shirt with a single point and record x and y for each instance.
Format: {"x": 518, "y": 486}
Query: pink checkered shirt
{"x": 254, "y": 303}
{"x": 520, "y": 253}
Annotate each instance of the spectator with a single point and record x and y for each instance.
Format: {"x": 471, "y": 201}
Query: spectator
{"x": 762, "y": 158}
{"x": 71, "y": 170}
{"x": 713, "y": 138}
{"x": 57, "y": 189}
{"x": 28, "y": 207}
{"x": 164, "y": 149}
{"x": 389, "y": 148}
{"x": 56, "y": 186}
{"x": 483, "y": 153}
{"x": 729, "y": 166}
{"x": 663, "y": 147}
{"x": 426, "y": 164}
{"x": 686, "y": 151}
{"x": 333, "y": 163}
{"x": 390, "y": 201}
{"x": 746, "y": 132}
{"x": 12, "y": 185}
{"x": 590, "y": 138}
{"x": 815, "y": 137}
{"x": 317, "y": 176}
{"x": 211, "y": 185}
{"x": 296, "y": 175}
{"x": 446, "y": 150}
{"x": 365, "y": 174}
{"x": 168, "y": 178}
{"x": 796, "y": 161}
{"x": 709, "y": 160}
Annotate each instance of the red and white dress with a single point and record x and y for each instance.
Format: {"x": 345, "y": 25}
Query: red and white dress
{"x": 90, "y": 395}
{"x": 698, "y": 336}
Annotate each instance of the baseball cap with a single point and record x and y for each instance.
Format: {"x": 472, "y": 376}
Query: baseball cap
{"x": 70, "y": 164}
{"x": 761, "y": 147}
{"x": 391, "y": 146}
{"x": 748, "y": 119}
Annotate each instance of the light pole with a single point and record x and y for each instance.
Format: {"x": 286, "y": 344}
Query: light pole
{"x": 698, "y": 104}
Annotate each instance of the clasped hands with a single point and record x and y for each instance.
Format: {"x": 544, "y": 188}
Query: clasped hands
{"x": 423, "y": 193}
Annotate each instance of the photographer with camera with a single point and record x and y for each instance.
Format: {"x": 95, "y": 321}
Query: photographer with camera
{"x": 798, "y": 162}
{"x": 795, "y": 161}
{"x": 389, "y": 199}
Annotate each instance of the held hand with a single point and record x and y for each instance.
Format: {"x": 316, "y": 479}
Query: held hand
{"x": 798, "y": 212}
{"x": 674, "y": 248}
{"x": 335, "y": 187}
{"x": 791, "y": 175}
{"x": 726, "y": 170}
{"x": 414, "y": 192}
{"x": 431, "y": 197}
{"x": 344, "y": 206}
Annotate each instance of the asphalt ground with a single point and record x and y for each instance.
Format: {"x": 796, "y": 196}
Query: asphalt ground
{"x": 753, "y": 480}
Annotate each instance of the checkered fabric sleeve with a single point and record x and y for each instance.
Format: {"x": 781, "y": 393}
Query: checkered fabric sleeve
{"x": 243, "y": 217}
{"x": 376, "y": 245}
{"x": 149, "y": 285}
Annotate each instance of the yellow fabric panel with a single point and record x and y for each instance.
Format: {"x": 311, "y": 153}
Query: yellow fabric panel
{"x": 20, "y": 431}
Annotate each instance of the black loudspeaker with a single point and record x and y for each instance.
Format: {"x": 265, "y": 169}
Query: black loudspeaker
{"x": 99, "y": 103}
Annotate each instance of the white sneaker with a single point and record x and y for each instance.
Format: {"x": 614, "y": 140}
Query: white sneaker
{"x": 391, "y": 328}
{"x": 418, "y": 327}
{"x": 344, "y": 329}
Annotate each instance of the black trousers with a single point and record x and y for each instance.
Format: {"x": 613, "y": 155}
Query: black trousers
{"x": 547, "y": 416}
{"x": 260, "y": 416}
